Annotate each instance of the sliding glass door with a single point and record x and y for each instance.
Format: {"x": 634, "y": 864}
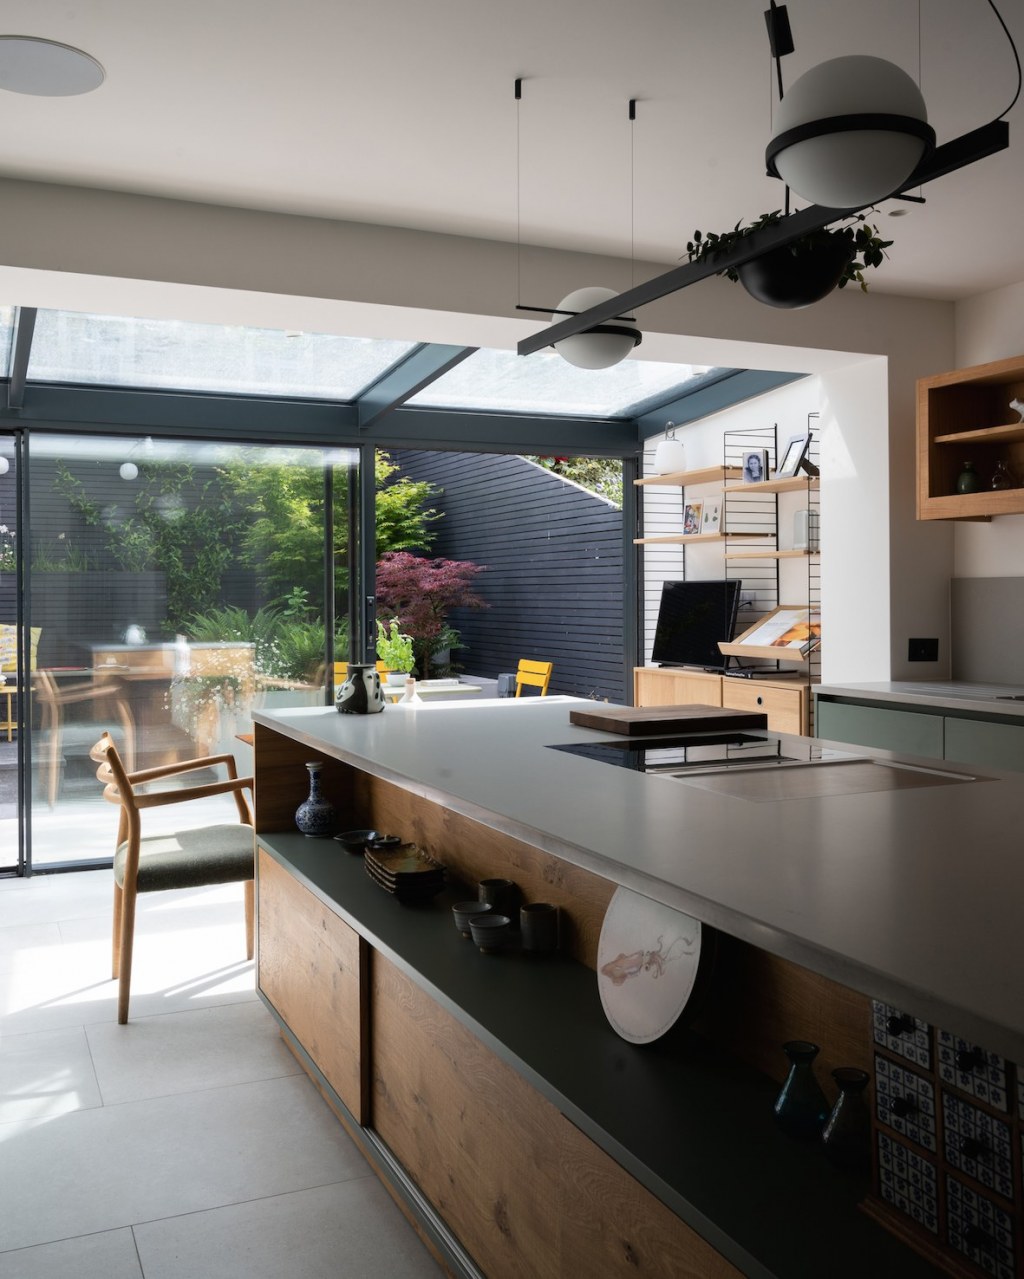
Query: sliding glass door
{"x": 11, "y": 700}
{"x": 173, "y": 587}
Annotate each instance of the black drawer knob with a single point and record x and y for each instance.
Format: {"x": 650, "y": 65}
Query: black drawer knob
{"x": 972, "y": 1148}
{"x": 899, "y": 1024}
{"x": 902, "y": 1106}
{"x": 975, "y": 1237}
{"x": 968, "y": 1059}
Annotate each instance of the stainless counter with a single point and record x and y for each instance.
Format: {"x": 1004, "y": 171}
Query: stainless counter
{"x": 909, "y": 890}
{"x": 953, "y": 695}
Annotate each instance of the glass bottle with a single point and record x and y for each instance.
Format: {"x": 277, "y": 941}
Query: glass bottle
{"x": 315, "y": 815}
{"x": 1002, "y": 478}
{"x": 847, "y": 1134}
{"x": 968, "y": 481}
{"x": 800, "y": 1107}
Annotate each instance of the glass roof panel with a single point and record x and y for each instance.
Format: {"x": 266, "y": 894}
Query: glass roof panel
{"x": 174, "y": 355}
{"x": 503, "y": 382}
{"x": 6, "y": 338}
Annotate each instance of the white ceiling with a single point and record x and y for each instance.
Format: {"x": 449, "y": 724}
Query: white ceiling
{"x": 402, "y": 112}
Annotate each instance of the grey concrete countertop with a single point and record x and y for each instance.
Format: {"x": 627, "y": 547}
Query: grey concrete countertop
{"x": 910, "y": 895}
{"x": 954, "y": 695}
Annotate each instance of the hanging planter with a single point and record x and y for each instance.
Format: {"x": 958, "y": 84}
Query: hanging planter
{"x": 801, "y": 273}
{"x": 797, "y": 275}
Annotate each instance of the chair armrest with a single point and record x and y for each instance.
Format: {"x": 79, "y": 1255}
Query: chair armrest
{"x": 158, "y": 799}
{"x": 182, "y": 766}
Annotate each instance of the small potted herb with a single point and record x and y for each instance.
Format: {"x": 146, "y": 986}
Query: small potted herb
{"x": 394, "y": 649}
{"x": 800, "y": 273}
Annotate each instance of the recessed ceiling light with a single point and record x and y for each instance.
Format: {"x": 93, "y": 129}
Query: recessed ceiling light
{"x": 45, "y": 68}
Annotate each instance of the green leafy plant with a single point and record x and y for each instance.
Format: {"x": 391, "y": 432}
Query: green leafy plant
{"x": 8, "y": 552}
{"x": 394, "y": 648}
{"x": 601, "y": 475}
{"x": 866, "y": 248}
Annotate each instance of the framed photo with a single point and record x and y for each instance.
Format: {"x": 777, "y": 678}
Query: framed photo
{"x": 712, "y": 519}
{"x": 692, "y": 512}
{"x": 755, "y": 466}
{"x": 787, "y": 634}
{"x": 792, "y": 457}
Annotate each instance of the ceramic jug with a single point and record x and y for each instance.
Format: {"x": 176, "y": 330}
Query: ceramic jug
{"x": 361, "y": 692}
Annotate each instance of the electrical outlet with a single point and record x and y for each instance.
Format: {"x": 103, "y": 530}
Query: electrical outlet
{"x": 923, "y": 650}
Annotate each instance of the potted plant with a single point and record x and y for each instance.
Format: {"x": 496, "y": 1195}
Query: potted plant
{"x": 394, "y": 649}
{"x": 797, "y": 274}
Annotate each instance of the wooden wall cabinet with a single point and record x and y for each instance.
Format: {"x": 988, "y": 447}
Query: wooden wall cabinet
{"x": 965, "y": 416}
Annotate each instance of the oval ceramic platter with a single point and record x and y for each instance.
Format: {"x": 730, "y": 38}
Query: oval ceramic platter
{"x": 647, "y": 961}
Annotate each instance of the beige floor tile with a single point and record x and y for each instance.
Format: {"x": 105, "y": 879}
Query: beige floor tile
{"x": 110, "y": 1255}
{"x": 22, "y": 944}
{"x": 45, "y": 1075}
{"x": 352, "y": 1229}
{"x": 119, "y": 1165}
{"x": 187, "y": 1052}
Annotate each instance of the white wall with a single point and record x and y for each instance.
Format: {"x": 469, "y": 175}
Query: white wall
{"x": 990, "y": 327}
{"x": 137, "y": 255}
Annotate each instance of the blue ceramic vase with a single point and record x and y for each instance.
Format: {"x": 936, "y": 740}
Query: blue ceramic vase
{"x": 800, "y": 1107}
{"x": 315, "y": 816}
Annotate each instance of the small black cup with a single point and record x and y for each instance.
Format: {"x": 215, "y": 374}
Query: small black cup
{"x": 501, "y": 893}
{"x": 539, "y": 924}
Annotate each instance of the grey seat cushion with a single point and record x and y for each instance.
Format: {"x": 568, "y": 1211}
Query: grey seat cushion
{"x": 218, "y": 854}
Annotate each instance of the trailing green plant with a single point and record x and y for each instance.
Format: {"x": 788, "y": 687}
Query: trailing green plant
{"x": 866, "y": 248}
{"x": 394, "y": 648}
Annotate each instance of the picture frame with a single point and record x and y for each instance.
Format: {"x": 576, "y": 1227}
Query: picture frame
{"x": 755, "y": 466}
{"x": 711, "y": 521}
{"x": 794, "y": 456}
{"x": 692, "y": 512}
{"x": 786, "y": 634}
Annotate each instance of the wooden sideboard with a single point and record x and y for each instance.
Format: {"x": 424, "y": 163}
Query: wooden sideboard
{"x": 786, "y": 701}
{"x": 520, "y": 1135}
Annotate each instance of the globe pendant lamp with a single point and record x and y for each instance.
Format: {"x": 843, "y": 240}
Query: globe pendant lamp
{"x": 850, "y": 132}
{"x": 602, "y": 346}
{"x": 669, "y": 455}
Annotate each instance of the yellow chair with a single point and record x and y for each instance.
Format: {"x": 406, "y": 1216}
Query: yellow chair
{"x": 341, "y": 672}
{"x": 217, "y": 853}
{"x": 534, "y": 674}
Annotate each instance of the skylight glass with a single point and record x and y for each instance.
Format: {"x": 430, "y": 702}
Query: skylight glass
{"x": 174, "y": 355}
{"x": 6, "y": 338}
{"x": 503, "y": 382}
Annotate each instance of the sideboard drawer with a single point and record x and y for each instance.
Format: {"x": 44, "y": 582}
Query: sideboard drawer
{"x": 972, "y": 1070}
{"x": 981, "y": 1230}
{"x": 978, "y": 1144}
{"x": 908, "y": 1181}
{"x": 899, "y": 1033}
{"x": 785, "y": 705}
{"x": 905, "y": 1102}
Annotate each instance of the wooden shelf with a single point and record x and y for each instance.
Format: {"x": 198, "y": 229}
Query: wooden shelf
{"x": 791, "y": 484}
{"x": 987, "y": 433}
{"x": 961, "y": 417}
{"x": 768, "y": 555}
{"x": 706, "y": 475}
{"x": 694, "y": 537}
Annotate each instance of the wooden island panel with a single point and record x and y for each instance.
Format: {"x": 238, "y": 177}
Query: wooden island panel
{"x": 312, "y": 968}
{"x": 526, "y": 1193}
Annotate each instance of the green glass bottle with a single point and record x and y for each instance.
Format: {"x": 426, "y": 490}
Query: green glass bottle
{"x": 968, "y": 481}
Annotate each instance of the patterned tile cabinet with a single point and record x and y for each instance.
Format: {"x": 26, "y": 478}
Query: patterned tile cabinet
{"x": 948, "y": 1138}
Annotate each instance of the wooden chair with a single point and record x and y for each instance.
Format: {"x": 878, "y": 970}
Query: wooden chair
{"x": 534, "y": 674}
{"x": 109, "y": 694}
{"x": 213, "y": 854}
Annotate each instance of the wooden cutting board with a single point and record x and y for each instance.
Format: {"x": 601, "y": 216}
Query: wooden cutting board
{"x": 635, "y": 720}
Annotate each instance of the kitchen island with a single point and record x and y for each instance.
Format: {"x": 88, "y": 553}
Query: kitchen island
{"x": 831, "y": 876}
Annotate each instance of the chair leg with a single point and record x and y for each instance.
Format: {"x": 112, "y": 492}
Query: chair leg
{"x": 250, "y": 898}
{"x": 127, "y": 938}
{"x": 115, "y": 941}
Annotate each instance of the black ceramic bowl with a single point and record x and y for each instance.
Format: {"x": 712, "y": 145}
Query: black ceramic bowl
{"x": 491, "y": 932}
{"x": 465, "y": 912}
{"x": 374, "y": 839}
{"x": 354, "y": 840}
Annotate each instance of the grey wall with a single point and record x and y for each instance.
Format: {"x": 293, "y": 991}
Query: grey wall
{"x": 553, "y": 555}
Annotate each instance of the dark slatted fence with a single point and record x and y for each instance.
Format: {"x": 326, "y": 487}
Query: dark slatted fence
{"x": 553, "y": 554}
